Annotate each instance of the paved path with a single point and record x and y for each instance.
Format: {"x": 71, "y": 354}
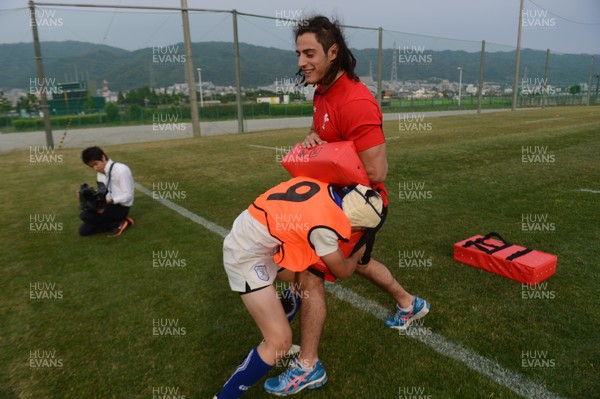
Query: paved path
{"x": 81, "y": 138}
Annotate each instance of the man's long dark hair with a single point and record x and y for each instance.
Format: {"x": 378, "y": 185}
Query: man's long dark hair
{"x": 329, "y": 33}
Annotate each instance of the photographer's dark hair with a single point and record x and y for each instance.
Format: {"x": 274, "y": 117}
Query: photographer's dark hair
{"x": 329, "y": 33}
{"x": 92, "y": 154}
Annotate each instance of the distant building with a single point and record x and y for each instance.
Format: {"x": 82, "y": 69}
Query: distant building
{"x": 108, "y": 95}
{"x": 370, "y": 83}
{"x": 471, "y": 89}
{"x": 268, "y": 100}
{"x": 75, "y": 98}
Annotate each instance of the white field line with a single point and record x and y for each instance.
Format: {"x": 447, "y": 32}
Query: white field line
{"x": 544, "y": 120}
{"x": 517, "y": 383}
{"x": 587, "y": 190}
{"x": 215, "y": 228}
{"x": 261, "y": 146}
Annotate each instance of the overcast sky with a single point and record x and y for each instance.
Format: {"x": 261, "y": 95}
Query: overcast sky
{"x": 571, "y": 26}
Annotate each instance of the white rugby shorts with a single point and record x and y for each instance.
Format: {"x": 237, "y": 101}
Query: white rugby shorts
{"x": 248, "y": 253}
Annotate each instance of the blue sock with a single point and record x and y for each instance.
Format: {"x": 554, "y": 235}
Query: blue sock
{"x": 252, "y": 369}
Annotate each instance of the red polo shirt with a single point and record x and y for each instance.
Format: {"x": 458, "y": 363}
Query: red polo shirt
{"x": 347, "y": 111}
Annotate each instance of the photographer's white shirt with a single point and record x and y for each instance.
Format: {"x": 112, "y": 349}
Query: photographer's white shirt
{"x": 122, "y": 188}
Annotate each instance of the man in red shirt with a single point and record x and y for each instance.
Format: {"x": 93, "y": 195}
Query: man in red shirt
{"x": 344, "y": 109}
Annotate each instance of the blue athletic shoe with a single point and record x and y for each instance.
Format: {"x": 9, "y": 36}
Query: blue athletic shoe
{"x": 401, "y": 320}
{"x": 291, "y": 303}
{"x": 295, "y": 379}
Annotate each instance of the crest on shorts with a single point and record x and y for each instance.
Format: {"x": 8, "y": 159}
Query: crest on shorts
{"x": 261, "y": 272}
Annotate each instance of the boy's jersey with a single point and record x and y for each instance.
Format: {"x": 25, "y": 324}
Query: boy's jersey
{"x": 291, "y": 211}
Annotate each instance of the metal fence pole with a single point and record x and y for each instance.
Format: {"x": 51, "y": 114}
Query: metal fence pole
{"x": 589, "y": 88}
{"x": 545, "y": 92}
{"x": 238, "y": 79}
{"x": 518, "y": 60}
{"x": 189, "y": 64}
{"x": 481, "y": 64}
{"x": 380, "y": 66}
{"x": 41, "y": 78}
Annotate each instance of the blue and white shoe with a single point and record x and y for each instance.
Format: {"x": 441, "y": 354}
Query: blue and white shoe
{"x": 401, "y": 320}
{"x": 291, "y": 303}
{"x": 296, "y": 378}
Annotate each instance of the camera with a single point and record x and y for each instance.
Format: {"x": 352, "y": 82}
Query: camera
{"x": 90, "y": 199}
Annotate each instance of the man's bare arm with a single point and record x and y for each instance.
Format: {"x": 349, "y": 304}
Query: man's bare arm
{"x": 375, "y": 161}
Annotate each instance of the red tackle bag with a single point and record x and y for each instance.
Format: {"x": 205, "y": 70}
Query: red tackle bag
{"x": 494, "y": 254}
{"x": 336, "y": 163}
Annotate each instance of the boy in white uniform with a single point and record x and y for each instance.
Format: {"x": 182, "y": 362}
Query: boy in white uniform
{"x": 289, "y": 226}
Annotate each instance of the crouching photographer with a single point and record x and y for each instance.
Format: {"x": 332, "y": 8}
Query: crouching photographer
{"x": 107, "y": 208}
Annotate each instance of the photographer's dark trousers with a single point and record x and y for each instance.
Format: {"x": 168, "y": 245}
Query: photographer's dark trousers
{"x": 110, "y": 219}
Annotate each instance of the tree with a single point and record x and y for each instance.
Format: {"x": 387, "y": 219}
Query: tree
{"x": 112, "y": 112}
{"x": 89, "y": 105}
{"x": 135, "y": 113}
{"x": 29, "y": 103}
{"x": 142, "y": 96}
{"x": 5, "y": 105}
{"x": 575, "y": 89}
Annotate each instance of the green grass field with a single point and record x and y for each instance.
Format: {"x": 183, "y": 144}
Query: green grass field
{"x": 78, "y": 315}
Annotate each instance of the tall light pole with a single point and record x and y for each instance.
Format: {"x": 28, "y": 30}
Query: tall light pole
{"x": 200, "y": 82}
{"x": 189, "y": 68}
{"x": 41, "y": 78}
{"x": 459, "y": 84}
{"x": 515, "y": 92}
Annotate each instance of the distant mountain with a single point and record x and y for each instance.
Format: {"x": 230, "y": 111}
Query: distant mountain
{"x": 161, "y": 67}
